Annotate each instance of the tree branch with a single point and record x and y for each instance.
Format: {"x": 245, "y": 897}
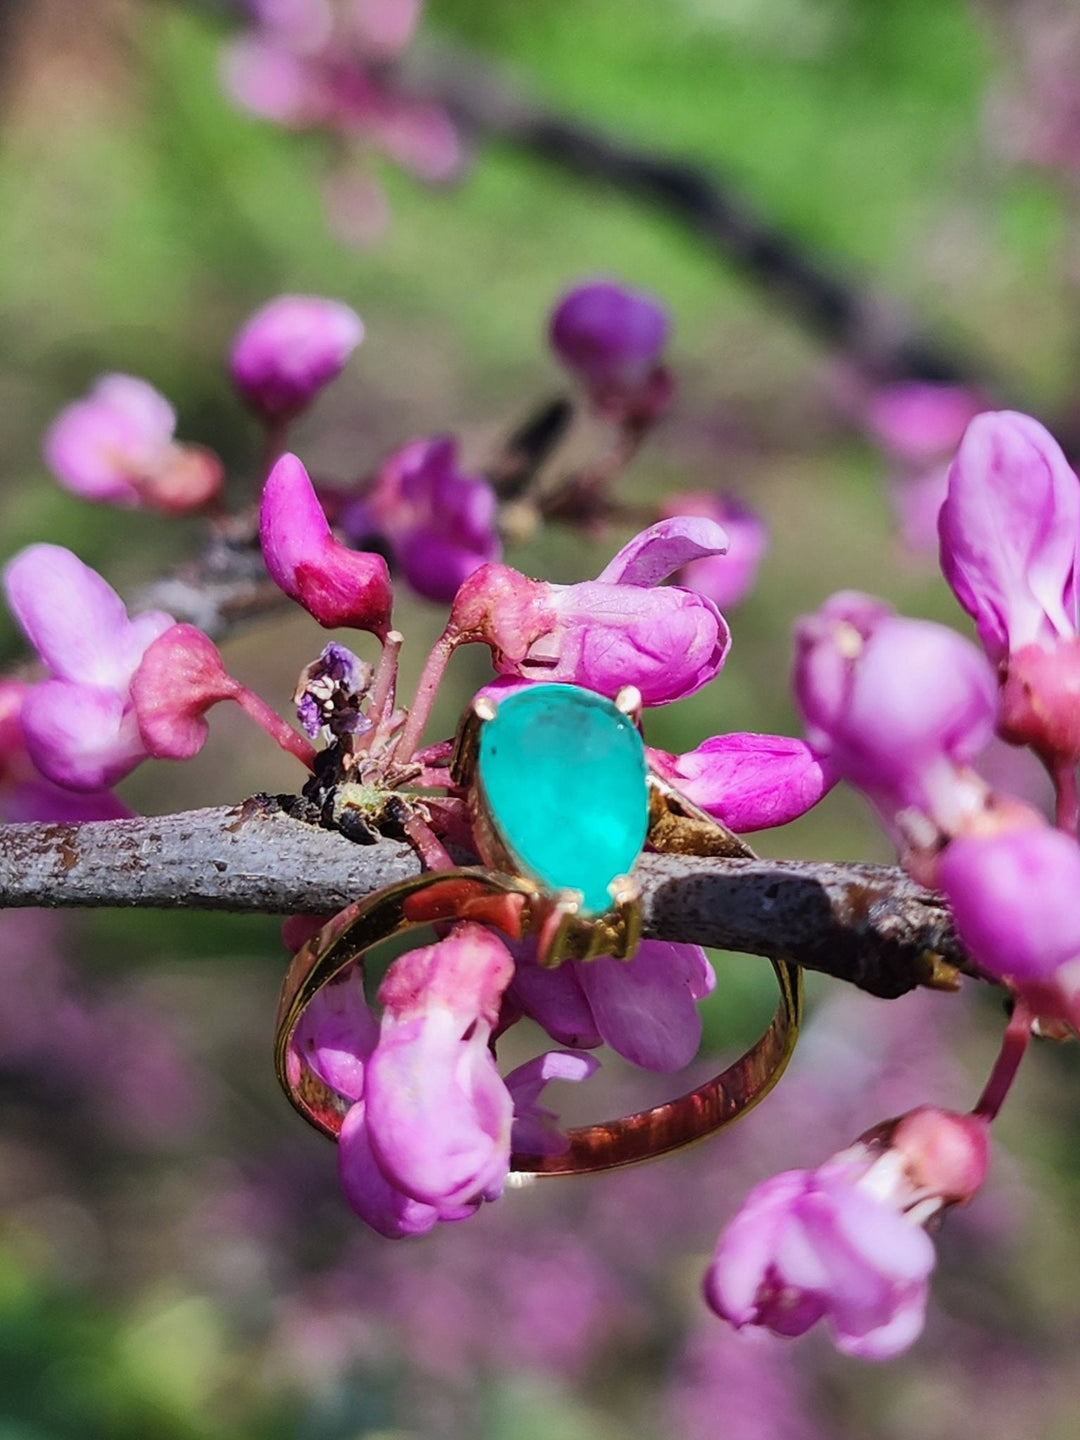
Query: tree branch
{"x": 869, "y": 925}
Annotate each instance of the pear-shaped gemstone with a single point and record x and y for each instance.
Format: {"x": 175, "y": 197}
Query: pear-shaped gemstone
{"x": 562, "y": 774}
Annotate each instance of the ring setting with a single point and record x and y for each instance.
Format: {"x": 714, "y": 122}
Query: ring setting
{"x": 562, "y": 802}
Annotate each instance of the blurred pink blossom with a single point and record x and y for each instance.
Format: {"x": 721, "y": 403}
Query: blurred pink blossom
{"x": 116, "y": 445}
{"x": 726, "y": 579}
{"x": 290, "y": 350}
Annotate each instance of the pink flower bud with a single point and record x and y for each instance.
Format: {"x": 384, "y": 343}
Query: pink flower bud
{"x": 609, "y": 336}
{"x": 1010, "y": 528}
{"x": 335, "y": 585}
{"x": 117, "y": 446}
{"x": 726, "y": 579}
{"x": 898, "y": 706}
{"x": 1013, "y": 898}
{"x": 289, "y": 350}
{"x": 750, "y": 782}
{"x": 180, "y": 677}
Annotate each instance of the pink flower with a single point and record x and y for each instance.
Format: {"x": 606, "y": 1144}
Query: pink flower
{"x": 606, "y": 633}
{"x": 921, "y": 423}
{"x": 1010, "y": 530}
{"x": 438, "y": 522}
{"x": 335, "y": 585}
{"x": 750, "y": 782}
{"x": 845, "y": 1242}
{"x": 645, "y": 1008}
{"x": 898, "y": 707}
{"x": 609, "y": 336}
{"x": 289, "y": 350}
{"x": 117, "y": 446}
{"x": 80, "y": 725}
{"x": 437, "y": 1116}
{"x": 726, "y": 579}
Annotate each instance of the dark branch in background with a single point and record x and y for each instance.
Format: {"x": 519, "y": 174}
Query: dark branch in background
{"x": 870, "y": 328}
{"x": 869, "y": 925}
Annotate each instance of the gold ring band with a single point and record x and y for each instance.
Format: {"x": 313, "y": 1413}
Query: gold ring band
{"x": 517, "y": 907}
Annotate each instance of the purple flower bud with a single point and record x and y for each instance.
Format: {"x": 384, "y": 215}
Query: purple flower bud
{"x": 895, "y": 705}
{"x": 337, "y": 1033}
{"x": 289, "y": 350}
{"x": 335, "y": 585}
{"x": 726, "y": 579}
{"x": 1010, "y": 528}
{"x": 609, "y": 336}
{"x": 750, "y": 782}
{"x": 438, "y": 522}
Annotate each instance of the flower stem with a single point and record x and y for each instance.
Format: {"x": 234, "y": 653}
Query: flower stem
{"x": 1068, "y": 800}
{"x": 430, "y": 679}
{"x": 1014, "y": 1044}
{"x": 281, "y": 733}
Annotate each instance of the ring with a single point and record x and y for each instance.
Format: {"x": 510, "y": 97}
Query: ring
{"x": 534, "y": 850}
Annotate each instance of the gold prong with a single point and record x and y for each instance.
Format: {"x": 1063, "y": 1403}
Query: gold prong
{"x": 484, "y": 707}
{"x": 629, "y": 703}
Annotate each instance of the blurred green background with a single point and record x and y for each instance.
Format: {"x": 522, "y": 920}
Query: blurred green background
{"x": 201, "y": 1279}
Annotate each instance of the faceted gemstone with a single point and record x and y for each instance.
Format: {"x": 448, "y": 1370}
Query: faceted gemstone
{"x": 562, "y": 773}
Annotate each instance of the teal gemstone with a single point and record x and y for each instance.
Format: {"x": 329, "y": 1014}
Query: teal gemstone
{"x": 562, "y": 774}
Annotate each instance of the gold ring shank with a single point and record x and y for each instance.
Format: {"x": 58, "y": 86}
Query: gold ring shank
{"x": 510, "y": 905}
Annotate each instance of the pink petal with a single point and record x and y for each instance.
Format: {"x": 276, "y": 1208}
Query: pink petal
{"x": 746, "y": 1249}
{"x": 750, "y": 782}
{"x": 659, "y": 551}
{"x": 73, "y": 618}
{"x": 386, "y": 1209}
{"x": 646, "y": 1008}
{"x": 1010, "y": 530}
{"x": 81, "y": 736}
